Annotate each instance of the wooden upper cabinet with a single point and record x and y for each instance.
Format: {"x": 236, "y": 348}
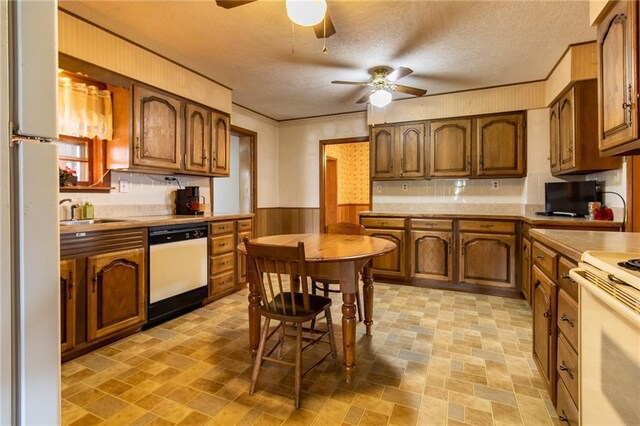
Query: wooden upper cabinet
{"x": 198, "y": 139}
{"x": 157, "y": 130}
{"x": 220, "y": 144}
{"x": 574, "y": 132}
{"x": 397, "y": 152}
{"x": 618, "y": 79}
{"x": 68, "y": 286}
{"x": 554, "y": 139}
{"x": 500, "y": 146}
{"x": 116, "y": 292}
{"x": 411, "y": 150}
{"x": 450, "y": 148}
{"x": 566, "y": 107}
{"x": 382, "y": 152}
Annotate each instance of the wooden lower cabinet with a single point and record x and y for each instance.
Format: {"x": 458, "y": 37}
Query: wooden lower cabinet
{"x": 103, "y": 288}
{"x": 488, "y": 259}
{"x": 432, "y": 255}
{"x": 391, "y": 264}
{"x": 525, "y": 262}
{"x": 67, "y": 304}
{"x": 544, "y": 327}
{"x": 117, "y": 292}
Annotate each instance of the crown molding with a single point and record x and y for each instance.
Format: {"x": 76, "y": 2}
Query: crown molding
{"x": 235, "y": 108}
{"x": 324, "y": 118}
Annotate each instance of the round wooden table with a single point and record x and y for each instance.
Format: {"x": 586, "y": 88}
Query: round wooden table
{"x": 332, "y": 257}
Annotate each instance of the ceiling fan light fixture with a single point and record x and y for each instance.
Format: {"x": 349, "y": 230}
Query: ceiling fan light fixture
{"x": 306, "y": 12}
{"x": 380, "y": 98}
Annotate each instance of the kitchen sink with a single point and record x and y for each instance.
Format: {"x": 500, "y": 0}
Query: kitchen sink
{"x": 89, "y": 221}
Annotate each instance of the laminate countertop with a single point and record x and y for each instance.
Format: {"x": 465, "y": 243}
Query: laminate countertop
{"x": 148, "y": 221}
{"x": 531, "y": 219}
{"x": 573, "y": 243}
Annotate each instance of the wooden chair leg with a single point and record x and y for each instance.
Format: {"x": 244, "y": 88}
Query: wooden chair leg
{"x": 298, "y": 372}
{"x": 358, "y": 306}
{"x": 281, "y": 338}
{"x": 258, "y": 361}
{"x": 332, "y": 339}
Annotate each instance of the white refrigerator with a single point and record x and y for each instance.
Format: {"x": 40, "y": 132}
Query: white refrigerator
{"x": 29, "y": 248}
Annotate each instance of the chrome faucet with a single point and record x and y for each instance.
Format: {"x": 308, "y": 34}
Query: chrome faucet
{"x": 73, "y": 207}
{"x": 64, "y": 200}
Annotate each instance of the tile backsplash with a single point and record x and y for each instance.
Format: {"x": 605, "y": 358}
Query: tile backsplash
{"x": 148, "y": 195}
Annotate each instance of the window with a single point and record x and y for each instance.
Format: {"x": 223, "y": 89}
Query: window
{"x": 75, "y": 153}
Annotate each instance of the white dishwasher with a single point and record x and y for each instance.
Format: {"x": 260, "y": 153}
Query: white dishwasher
{"x": 177, "y": 270}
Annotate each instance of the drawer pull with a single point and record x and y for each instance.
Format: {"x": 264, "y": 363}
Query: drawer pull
{"x": 563, "y": 417}
{"x": 566, "y": 276}
{"x": 564, "y": 368}
{"x": 564, "y": 317}
{"x": 539, "y": 256}
{"x": 486, "y": 226}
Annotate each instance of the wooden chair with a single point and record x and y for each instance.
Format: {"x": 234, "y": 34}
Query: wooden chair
{"x": 272, "y": 265}
{"x": 338, "y": 228}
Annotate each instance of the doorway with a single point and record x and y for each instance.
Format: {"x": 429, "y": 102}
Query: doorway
{"x": 344, "y": 180}
{"x": 236, "y": 194}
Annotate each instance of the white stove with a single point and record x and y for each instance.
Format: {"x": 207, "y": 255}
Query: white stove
{"x": 609, "y": 330}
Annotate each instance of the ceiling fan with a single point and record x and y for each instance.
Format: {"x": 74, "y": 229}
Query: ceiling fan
{"x": 324, "y": 29}
{"x": 382, "y": 83}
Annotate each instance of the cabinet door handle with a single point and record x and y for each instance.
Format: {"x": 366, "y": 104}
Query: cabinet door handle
{"x": 563, "y": 367}
{"x": 70, "y": 285}
{"x": 94, "y": 279}
{"x": 547, "y": 314}
{"x": 568, "y": 320}
{"x": 138, "y": 146}
{"x": 462, "y": 246}
{"x": 537, "y": 282}
{"x": 449, "y": 245}
{"x": 563, "y": 417}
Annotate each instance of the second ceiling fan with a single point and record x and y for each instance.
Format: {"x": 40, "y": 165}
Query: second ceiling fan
{"x": 382, "y": 83}
{"x": 323, "y": 29}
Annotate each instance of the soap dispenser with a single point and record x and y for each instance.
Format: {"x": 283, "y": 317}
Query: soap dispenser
{"x": 87, "y": 210}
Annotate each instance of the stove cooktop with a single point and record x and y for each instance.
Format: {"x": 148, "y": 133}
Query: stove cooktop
{"x": 631, "y": 264}
{"x": 624, "y": 266}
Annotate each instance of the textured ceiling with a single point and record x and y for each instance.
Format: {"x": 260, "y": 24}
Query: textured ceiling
{"x": 450, "y": 45}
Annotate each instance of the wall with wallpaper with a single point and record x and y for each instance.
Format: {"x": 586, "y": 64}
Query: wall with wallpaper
{"x": 353, "y": 171}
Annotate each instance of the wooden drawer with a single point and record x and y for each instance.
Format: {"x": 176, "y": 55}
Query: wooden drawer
{"x": 244, "y": 225}
{"x": 568, "y": 367}
{"x": 217, "y": 228}
{"x": 567, "y": 411}
{"x": 526, "y": 228}
{"x": 568, "y": 318}
{"x": 564, "y": 281}
{"x": 222, "y": 282}
{"x": 382, "y": 222}
{"x": 487, "y": 226}
{"x": 432, "y": 224}
{"x": 222, "y": 244}
{"x": 545, "y": 259}
{"x": 221, "y": 263}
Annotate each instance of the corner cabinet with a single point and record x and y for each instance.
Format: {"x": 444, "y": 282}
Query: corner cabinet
{"x": 103, "y": 288}
{"x": 618, "y": 116}
{"x": 157, "y": 123}
{"x": 397, "y": 152}
{"x": 574, "y": 134}
{"x": 500, "y": 145}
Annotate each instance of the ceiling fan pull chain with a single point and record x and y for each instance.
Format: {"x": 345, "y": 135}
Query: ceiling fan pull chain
{"x": 324, "y": 46}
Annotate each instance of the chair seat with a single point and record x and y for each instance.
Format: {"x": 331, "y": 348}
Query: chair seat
{"x": 317, "y": 304}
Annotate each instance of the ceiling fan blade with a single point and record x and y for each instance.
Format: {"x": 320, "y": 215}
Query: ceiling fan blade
{"x": 319, "y": 28}
{"x": 230, "y": 4}
{"x": 357, "y": 83}
{"x": 409, "y": 90}
{"x": 398, "y": 73}
{"x": 364, "y": 99}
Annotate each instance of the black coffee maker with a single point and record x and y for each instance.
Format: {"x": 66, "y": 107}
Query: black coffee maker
{"x": 188, "y": 201}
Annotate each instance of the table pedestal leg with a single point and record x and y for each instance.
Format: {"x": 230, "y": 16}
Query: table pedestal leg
{"x": 254, "y": 311}
{"x": 349, "y": 334}
{"x": 367, "y": 279}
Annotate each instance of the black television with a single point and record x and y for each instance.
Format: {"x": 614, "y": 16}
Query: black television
{"x": 569, "y": 198}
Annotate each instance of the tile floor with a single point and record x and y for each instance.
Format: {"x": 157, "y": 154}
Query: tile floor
{"x": 436, "y": 357}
